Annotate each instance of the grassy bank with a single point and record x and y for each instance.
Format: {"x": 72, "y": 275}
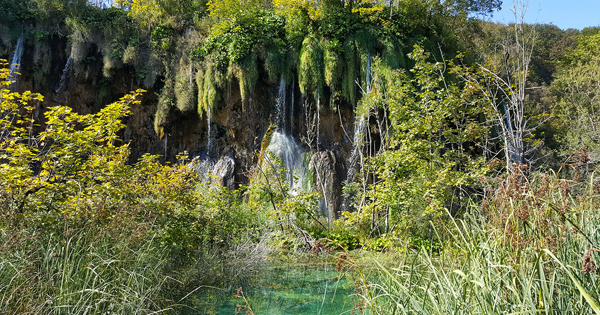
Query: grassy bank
{"x": 529, "y": 249}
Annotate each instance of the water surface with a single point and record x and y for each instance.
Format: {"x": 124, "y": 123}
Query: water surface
{"x": 287, "y": 289}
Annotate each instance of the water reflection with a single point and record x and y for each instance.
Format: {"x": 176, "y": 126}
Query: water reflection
{"x": 286, "y": 289}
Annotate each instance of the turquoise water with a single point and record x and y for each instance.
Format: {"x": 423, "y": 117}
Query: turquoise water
{"x": 286, "y": 289}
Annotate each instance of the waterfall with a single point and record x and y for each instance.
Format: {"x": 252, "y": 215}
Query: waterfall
{"x": 211, "y": 138}
{"x": 368, "y": 72}
{"x": 16, "y": 60}
{"x": 292, "y": 158}
{"x": 281, "y": 108}
{"x": 318, "y": 117}
{"x": 63, "y": 78}
{"x": 292, "y": 110}
{"x": 359, "y": 132}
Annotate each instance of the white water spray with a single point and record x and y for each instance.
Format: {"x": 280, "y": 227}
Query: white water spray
{"x": 16, "y": 60}
{"x": 368, "y": 73}
{"x": 291, "y": 156}
{"x": 211, "y": 138}
{"x": 292, "y": 111}
{"x": 281, "y": 108}
{"x": 359, "y": 133}
{"x": 64, "y": 77}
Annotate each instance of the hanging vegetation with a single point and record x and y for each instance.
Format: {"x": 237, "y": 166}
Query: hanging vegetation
{"x": 311, "y": 67}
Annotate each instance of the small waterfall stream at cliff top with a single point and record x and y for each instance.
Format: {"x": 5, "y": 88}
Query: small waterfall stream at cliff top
{"x": 16, "y": 60}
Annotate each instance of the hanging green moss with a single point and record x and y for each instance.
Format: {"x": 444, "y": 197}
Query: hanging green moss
{"x": 246, "y": 72}
{"x": 165, "y": 103}
{"x": 334, "y": 68}
{"x": 209, "y": 81}
{"x": 311, "y": 77}
{"x": 392, "y": 55}
{"x": 352, "y": 71}
{"x": 357, "y": 49}
{"x": 185, "y": 89}
{"x": 279, "y": 63}
{"x": 148, "y": 70}
{"x": 265, "y": 142}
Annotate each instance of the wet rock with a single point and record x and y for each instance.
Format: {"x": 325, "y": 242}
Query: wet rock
{"x": 224, "y": 172}
{"x": 328, "y": 170}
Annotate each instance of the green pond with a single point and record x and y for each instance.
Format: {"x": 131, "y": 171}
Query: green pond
{"x": 284, "y": 289}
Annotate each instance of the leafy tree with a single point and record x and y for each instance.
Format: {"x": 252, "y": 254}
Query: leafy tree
{"x": 430, "y": 133}
{"x": 576, "y": 86}
{"x": 152, "y": 12}
{"x": 503, "y": 79}
{"x": 484, "y": 7}
{"x": 233, "y": 8}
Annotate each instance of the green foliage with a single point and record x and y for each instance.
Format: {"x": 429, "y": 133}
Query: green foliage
{"x": 218, "y": 221}
{"x": 185, "y": 89}
{"x": 17, "y": 11}
{"x": 162, "y": 37}
{"x": 233, "y": 8}
{"x": 311, "y": 66}
{"x": 150, "y": 13}
{"x": 233, "y": 40}
{"x": 430, "y": 150}
{"x": 92, "y": 270}
{"x": 231, "y": 48}
{"x": 577, "y": 90}
{"x": 72, "y": 187}
{"x": 270, "y": 189}
{"x": 483, "y": 7}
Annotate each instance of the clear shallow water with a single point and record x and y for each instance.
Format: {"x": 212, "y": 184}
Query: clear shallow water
{"x": 285, "y": 290}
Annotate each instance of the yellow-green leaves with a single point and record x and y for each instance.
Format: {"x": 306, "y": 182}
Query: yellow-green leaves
{"x": 429, "y": 149}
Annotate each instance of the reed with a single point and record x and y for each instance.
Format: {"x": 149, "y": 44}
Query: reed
{"x": 79, "y": 272}
{"x": 530, "y": 249}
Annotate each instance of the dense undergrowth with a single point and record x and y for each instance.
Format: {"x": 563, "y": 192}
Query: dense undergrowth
{"x": 84, "y": 232}
{"x": 530, "y": 247}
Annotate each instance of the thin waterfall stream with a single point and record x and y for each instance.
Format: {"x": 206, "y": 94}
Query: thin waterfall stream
{"x": 16, "y": 60}
{"x": 64, "y": 78}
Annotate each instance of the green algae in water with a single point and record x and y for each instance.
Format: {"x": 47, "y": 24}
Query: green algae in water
{"x": 288, "y": 289}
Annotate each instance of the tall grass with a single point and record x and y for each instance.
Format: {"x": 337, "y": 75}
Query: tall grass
{"x": 529, "y": 249}
{"x": 79, "y": 272}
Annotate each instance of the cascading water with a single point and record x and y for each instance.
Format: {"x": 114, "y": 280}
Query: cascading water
{"x": 63, "y": 78}
{"x": 281, "y": 106}
{"x": 285, "y": 148}
{"x": 16, "y": 60}
{"x": 211, "y": 138}
{"x": 359, "y": 132}
{"x": 292, "y": 111}
{"x": 368, "y": 73}
{"x": 360, "y": 127}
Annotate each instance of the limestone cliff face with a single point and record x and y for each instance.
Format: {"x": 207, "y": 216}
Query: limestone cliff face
{"x": 234, "y": 135}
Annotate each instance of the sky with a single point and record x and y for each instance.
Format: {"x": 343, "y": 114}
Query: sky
{"x": 562, "y": 13}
